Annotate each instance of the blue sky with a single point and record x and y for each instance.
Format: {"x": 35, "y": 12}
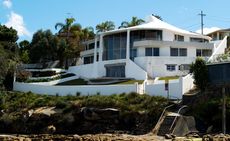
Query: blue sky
{"x": 28, "y": 16}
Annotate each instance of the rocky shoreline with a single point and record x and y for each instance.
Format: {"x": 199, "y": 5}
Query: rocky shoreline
{"x": 88, "y": 137}
{"x": 110, "y": 137}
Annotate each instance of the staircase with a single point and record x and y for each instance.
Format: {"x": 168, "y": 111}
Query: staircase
{"x": 168, "y": 120}
{"x": 165, "y": 127}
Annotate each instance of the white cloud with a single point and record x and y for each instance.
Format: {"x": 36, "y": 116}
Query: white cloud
{"x": 208, "y": 30}
{"x": 16, "y": 21}
{"x": 7, "y": 3}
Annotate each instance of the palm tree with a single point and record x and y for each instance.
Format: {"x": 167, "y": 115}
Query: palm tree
{"x": 87, "y": 33}
{"x": 105, "y": 26}
{"x": 135, "y": 21}
{"x": 67, "y": 30}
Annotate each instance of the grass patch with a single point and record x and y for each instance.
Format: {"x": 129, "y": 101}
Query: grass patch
{"x": 74, "y": 82}
{"x": 169, "y": 78}
{"x": 131, "y": 82}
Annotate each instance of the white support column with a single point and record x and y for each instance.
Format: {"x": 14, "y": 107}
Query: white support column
{"x": 218, "y": 36}
{"x": 95, "y": 50}
{"x": 101, "y": 48}
{"x": 128, "y": 45}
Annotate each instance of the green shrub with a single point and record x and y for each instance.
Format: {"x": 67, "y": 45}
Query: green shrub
{"x": 200, "y": 73}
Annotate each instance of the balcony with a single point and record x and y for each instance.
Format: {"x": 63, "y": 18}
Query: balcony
{"x": 157, "y": 43}
{"x": 88, "y": 52}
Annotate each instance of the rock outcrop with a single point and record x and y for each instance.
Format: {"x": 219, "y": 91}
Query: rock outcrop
{"x": 74, "y": 120}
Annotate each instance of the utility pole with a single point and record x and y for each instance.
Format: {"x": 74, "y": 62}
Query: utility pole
{"x": 202, "y": 22}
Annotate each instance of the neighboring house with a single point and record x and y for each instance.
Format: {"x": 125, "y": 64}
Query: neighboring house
{"x": 220, "y": 34}
{"x": 153, "y": 49}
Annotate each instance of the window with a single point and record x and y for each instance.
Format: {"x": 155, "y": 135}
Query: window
{"x": 115, "y": 71}
{"x": 173, "y": 51}
{"x": 171, "y": 67}
{"x": 184, "y": 67}
{"x": 178, "y": 51}
{"x": 198, "y": 52}
{"x": 178, "y": 37}
{"x": 152, "y": 52}
{"x": 88, "y": 60}
{"x": 98, "y": 44}
{"x": 91, "y": 46}
{"x": 115, "y": 46}
{"x": 198, "y": 40}
{"x": 204, "y": 52}
{"x": 183, "y": 52}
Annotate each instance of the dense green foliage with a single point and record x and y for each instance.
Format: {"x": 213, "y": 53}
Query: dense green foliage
{"x": 43, "y": 46}
{"x": 134, "y": 22}
{"x": 209, "y": 111}
{"x": 200, "y": 73}
{"x": 135, "y": 114}
{"x": 105, "y": 26}
{"x": 16, "y": 101}
{"x": 8, "y": 55}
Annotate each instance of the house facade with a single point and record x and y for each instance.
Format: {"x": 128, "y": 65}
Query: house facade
{"x": 150, "y": 50}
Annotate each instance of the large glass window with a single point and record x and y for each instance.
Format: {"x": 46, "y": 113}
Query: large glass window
{"x": 152, "y": 52}
{"x": 146, "y": 34}
{"x": 115, "y": 46}
{"x": 178, "y": 51}
{"x": 115, "y": 71}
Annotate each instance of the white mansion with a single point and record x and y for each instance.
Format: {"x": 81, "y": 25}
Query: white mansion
{"x": 150, "y": 50}
{"x": 145, "y": 52}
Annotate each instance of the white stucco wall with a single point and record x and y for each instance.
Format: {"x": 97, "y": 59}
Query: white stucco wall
{"x": 72, "y": 90}
{"x": 87, "y": 70}
{"x": 132, "y": 70}
{"x": 156, "y": 66}
{"x": 187, "y": 83}
{"x": 158, "y": 89}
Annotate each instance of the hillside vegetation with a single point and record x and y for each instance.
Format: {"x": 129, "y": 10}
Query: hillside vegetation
{"x": 130, "y": 113}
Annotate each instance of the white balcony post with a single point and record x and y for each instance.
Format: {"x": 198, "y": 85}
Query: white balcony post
{"x": 128, "y": 45}
{"x": 218, "y": 36}
{"x": 95, "y": 50}
{"x": 101, "y": 48}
